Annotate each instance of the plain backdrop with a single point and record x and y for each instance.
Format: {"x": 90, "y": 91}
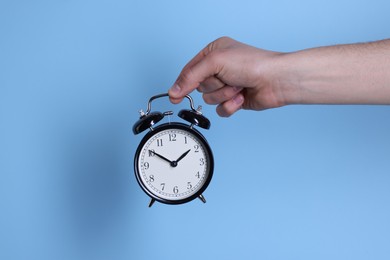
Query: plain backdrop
{"x": 299, "y": 182}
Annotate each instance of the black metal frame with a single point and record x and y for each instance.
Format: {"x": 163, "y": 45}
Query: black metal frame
{"x": 202, "y": 140}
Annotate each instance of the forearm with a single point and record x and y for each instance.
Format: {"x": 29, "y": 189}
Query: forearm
{"x": 343, "y": 74}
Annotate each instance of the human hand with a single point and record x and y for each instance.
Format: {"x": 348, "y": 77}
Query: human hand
{"x": 231, "y": 75}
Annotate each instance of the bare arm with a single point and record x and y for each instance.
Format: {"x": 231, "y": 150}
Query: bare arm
{"x": 233, "y": 75}
{"x": 344, "y": 74}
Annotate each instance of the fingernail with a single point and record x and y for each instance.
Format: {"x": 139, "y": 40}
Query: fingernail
{"x": 175, "y": 89}
{"x": 237, "y": 89}
{"x": 239, "y": 99}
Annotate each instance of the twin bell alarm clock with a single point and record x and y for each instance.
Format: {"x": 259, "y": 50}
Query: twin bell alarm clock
{"x": 173, "y": 163}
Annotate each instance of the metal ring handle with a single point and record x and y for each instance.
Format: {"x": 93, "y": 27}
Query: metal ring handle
{"x": 166, "y": 95}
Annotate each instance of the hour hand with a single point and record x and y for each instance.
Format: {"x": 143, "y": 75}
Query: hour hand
{"x": 159, "y": 155}
{"x": 182, "y": 156}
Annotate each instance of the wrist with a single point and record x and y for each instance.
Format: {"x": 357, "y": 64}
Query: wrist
{"x": 287, "y": 79}
{"x": 313, "y": 76}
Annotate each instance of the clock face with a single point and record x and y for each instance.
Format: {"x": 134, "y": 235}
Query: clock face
{"x": 174, "y": 163}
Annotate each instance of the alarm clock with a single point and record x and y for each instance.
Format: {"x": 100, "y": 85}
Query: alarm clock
{"x": 173, "y": 163}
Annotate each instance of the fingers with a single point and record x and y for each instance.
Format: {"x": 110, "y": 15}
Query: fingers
{"x": 230, "y": 106}
{"x": 221, "y": 95}
{"x": 204, "y": 72}
{"x": 204, "y": 65}
{"x": 229, "y": 100}
{"x": 191, "y": 77}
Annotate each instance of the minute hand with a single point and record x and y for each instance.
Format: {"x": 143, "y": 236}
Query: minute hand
{"x": 159, "y": 155}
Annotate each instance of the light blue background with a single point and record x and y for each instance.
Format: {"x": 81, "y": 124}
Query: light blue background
{"x": 299, "y": 182}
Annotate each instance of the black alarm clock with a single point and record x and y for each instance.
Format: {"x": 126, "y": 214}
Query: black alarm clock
{"x": 173, "y": 163}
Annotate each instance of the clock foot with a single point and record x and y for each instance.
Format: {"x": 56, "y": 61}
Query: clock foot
{"x": 202, "y": 198}
{"x": 151, "y": 202}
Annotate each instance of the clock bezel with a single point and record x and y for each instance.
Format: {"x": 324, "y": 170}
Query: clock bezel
{"x": 204, "y": 143}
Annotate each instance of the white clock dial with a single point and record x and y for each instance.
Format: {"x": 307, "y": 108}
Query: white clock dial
{"x": 174, "y": 164}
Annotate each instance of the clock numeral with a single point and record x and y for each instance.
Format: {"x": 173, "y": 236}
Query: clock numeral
{"x": 172, "y": 137}
{"x": 201, "y": 161}
{"x": 175, "y": 189}
{"x": 189, "y": 185}
{"x": 196, "y": 148}
{"x": 151, "y": 153}
{"x": 162, "y": 186}
{"x": 197, "y": 175}
{"x": 159, "y": 142}
{"x": 151, "y": 178}
{"x": 146, "y": 165}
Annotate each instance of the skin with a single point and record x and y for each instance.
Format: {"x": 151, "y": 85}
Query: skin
{"x": 235, "y": 76}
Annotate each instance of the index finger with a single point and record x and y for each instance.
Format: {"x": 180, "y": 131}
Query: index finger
{"x": 201, "y": 67}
